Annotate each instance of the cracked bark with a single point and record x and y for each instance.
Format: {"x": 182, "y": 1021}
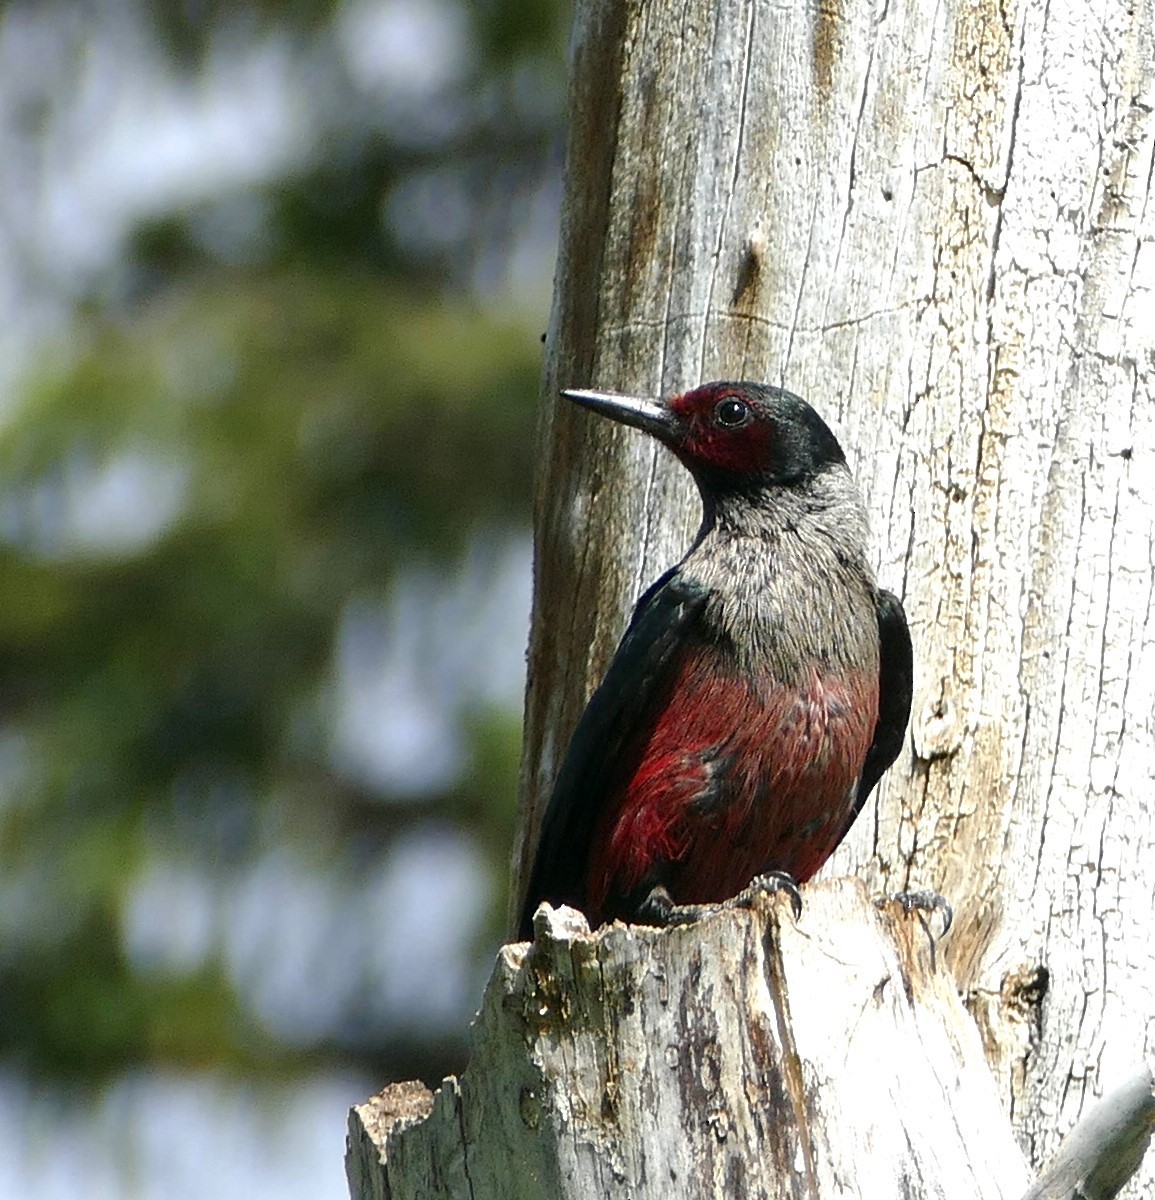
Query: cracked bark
{"x": 708, "y": 1061}
{"x": 934, "y": 221}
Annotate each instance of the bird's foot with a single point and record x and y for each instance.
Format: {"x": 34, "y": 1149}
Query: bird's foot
{"x": 658, "y": 908}
{"x": 767, "y": 885}
{"x": 923, "y": 904}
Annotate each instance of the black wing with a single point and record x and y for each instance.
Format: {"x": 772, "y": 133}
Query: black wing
{"x": 895, "y": 682}
{"x": 658, "y": 627}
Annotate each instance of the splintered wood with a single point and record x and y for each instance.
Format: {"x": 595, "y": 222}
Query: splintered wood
{"x": 747, "y": 1056}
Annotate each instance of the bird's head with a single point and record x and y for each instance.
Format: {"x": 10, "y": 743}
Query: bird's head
{"x": 731, "y": 435}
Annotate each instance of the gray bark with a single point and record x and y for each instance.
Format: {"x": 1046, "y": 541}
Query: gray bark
{"x": 750, "y": 1057}
{"x": 934, "y": 221}
{"x": 1106, "y": 1147}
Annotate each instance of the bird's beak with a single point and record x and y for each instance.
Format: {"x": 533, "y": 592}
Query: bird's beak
{"x": 652, "y": 416}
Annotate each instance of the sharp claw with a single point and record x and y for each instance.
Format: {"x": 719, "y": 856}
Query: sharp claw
{"x": 658, "y": 907}
{"x": 928, "y": 902}
{"x": 920, "y": 903}
{"x": 770, "y": 883}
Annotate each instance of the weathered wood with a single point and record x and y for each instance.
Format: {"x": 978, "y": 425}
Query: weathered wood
{"x": 398, "y": 1107}
{"x": 1105, "y": 1149}
{"x": 749, "y": 1056}
{"x": 934, "y": 220}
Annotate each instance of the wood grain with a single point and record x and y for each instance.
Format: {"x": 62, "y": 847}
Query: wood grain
{"x": 935, "y": 222}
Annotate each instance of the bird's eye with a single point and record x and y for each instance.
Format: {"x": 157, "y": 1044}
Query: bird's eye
{"x": 731, "y": 413}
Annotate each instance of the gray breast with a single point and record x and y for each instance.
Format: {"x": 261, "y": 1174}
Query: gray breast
{"x": 789, "y": 584}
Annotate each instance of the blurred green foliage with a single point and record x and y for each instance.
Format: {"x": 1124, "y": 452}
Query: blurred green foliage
{"x": 303, "y": 425}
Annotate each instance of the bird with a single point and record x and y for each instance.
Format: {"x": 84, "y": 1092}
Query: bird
{"x": 759, "y": 693}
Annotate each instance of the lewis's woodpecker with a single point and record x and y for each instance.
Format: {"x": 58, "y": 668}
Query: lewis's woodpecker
{"x": 762, "y": 688}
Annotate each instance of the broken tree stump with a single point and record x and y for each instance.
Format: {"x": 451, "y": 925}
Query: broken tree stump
{"x": 745, "y": 1056}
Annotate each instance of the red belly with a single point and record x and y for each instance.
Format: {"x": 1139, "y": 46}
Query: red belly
{"x": 732, "y": 778}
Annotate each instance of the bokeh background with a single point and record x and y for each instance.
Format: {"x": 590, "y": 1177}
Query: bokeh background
{"x": 273, "y": 279}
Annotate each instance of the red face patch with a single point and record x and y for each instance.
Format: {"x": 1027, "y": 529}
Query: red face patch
{"x": 725, "y": 429}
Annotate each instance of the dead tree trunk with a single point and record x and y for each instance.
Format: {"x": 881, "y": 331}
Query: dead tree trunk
{"x": 711, "y": 1061}
{"x": 935, "y": 222}
{"x": 751, "y": 1057}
